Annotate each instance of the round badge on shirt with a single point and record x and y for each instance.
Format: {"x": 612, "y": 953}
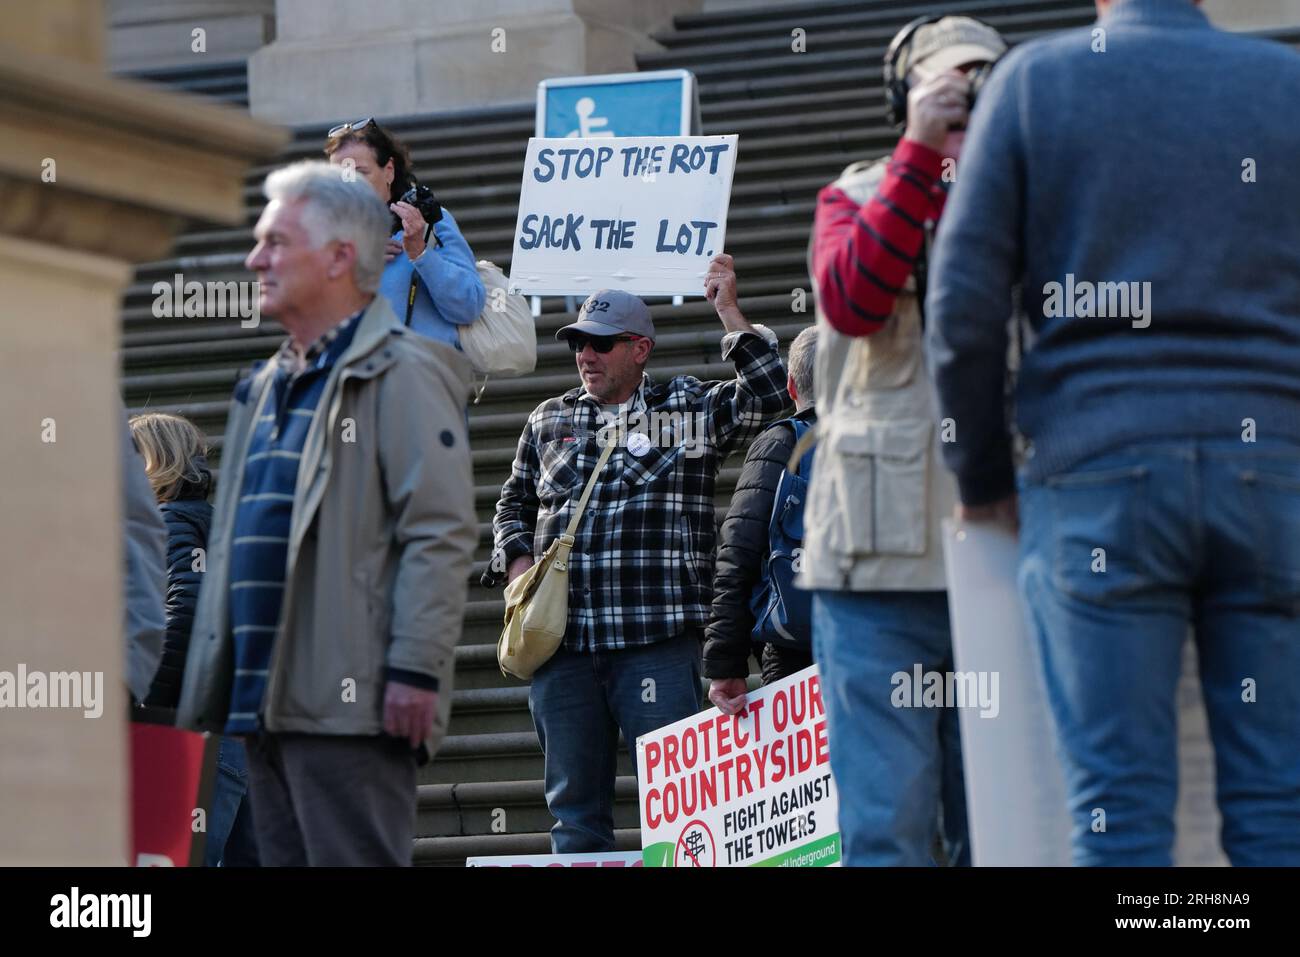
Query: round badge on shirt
{"x": 638, "y": 443}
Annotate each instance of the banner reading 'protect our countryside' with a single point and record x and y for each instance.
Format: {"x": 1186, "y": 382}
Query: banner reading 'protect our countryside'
{"x": 743, "y": 791}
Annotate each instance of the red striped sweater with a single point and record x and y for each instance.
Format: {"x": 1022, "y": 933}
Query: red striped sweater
{"x": 862, "y": 255}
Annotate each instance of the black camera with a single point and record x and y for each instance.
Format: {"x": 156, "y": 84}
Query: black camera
{"x": 422, "y": 198}
{"x": 977, "y": 77}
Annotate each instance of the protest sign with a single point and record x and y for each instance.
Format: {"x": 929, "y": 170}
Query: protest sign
{"x": 745, "y": 790}
{"x": 1015, "y": 791}
{"x": 643, "y": 214}
{"x": 606, "y": 859}
{"x": 172, "y": 773}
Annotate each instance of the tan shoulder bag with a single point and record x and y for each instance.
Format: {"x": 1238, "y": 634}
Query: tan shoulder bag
{"x": 537, "y": 602}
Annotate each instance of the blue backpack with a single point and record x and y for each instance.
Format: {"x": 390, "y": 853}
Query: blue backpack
{"x": 782, "y": 612}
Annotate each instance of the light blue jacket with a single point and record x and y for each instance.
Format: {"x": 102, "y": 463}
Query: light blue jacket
{"x": 449, "y": 292}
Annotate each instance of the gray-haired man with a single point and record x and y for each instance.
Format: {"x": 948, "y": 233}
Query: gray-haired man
{"x": 341, "y": 543}
{"x": 743, "y": 545}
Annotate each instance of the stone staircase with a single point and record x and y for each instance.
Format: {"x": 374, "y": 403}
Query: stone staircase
{"x": 801, "y": 117}
{"x": 222, "y": 80}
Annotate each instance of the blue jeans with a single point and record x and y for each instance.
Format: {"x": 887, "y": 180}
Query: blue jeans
{"x": 579, "y": 701}
{"x": 230, "y": 821}
{"x": 897, "y": 769}
{"x": 1120, "y": 557}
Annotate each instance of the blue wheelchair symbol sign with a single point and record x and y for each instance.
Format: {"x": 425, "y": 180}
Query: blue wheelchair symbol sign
{"x": 625, "y": 104}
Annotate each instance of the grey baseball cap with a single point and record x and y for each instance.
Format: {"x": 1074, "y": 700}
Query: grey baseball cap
{"x": 948, "y": 43}
{"x": 611, "y": 312}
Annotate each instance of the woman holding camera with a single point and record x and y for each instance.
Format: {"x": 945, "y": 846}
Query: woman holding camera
{"x": 432, "y": 285}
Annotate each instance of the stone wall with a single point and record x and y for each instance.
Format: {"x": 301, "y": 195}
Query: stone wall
{"x": 98, "y": 174}
{"x": 149, "y": 34}
{"x": 338, "y": 59}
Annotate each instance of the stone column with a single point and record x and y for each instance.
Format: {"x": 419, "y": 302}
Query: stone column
{"x": 1228, "y": 14}
{"x": 338, "y": 59}
{"x": 1255, "y": 15}
{"x": 151, "y": 34}
{"x": 96, "y": 173}
{"x": 724, "y": 6}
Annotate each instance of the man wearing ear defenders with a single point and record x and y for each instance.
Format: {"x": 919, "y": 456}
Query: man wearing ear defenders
{"x": 872, "y": 535}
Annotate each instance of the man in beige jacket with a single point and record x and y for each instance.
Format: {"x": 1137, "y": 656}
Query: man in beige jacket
{"x": 873, "y": 548}
{"x": 344, "y": 528}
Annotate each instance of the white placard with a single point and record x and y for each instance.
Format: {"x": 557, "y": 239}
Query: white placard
{"x": 1015, "y": 792}
{"x": 753, "y": 790}
{"x": 644, "y": 214}
{"x": 595, "y": 859}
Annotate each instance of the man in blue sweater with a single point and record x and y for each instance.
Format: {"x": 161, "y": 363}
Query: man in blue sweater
{"x": 1137, "y": 180}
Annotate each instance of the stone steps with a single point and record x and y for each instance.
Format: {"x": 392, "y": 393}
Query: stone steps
{"x": 801, "y": 117}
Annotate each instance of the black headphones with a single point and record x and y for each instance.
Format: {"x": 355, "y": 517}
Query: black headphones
{"x": 896, "y": 88}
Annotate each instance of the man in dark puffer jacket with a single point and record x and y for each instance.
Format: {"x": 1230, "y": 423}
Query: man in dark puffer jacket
{"x": 743, "y": 544}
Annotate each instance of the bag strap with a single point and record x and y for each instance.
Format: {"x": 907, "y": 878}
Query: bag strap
{"x": 803, "y": 444}
{"x": 586, "y": 492}
{"x": 410, "y": 298}
{"x": 799, "y": 428}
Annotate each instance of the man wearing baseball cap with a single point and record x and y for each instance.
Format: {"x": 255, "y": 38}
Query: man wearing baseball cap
{"x": 873, "y": 552}
{"x": 641, "y": 568}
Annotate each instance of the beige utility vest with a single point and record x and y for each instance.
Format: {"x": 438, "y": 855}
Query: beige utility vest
{"x": 879, "y": 491}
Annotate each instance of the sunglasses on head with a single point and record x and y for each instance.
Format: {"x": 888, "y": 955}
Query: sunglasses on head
{"x": 354, "y": 127}
{"x": 601, "y": 344}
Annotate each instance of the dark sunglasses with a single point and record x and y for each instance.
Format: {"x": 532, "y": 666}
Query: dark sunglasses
{"x": 353, "y": 127}
{"x": 601, "y": 344}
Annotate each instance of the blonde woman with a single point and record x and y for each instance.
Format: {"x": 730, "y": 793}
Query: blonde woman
{"x": 174, "y": 453}
{"x": 175, "y": 457}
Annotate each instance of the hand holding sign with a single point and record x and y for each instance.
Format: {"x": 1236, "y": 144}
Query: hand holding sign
{"x": 720, "y": 284}
{"x": 720, "y": 289}
{"x": 728, "y": 694}
{"x": 1004, "y": 512}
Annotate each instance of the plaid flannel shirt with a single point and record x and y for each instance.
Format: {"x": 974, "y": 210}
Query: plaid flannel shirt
{"x": 641, "y": 570}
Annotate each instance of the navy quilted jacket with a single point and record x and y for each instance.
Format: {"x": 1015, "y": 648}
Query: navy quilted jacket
{"x": 187, "y": 519}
